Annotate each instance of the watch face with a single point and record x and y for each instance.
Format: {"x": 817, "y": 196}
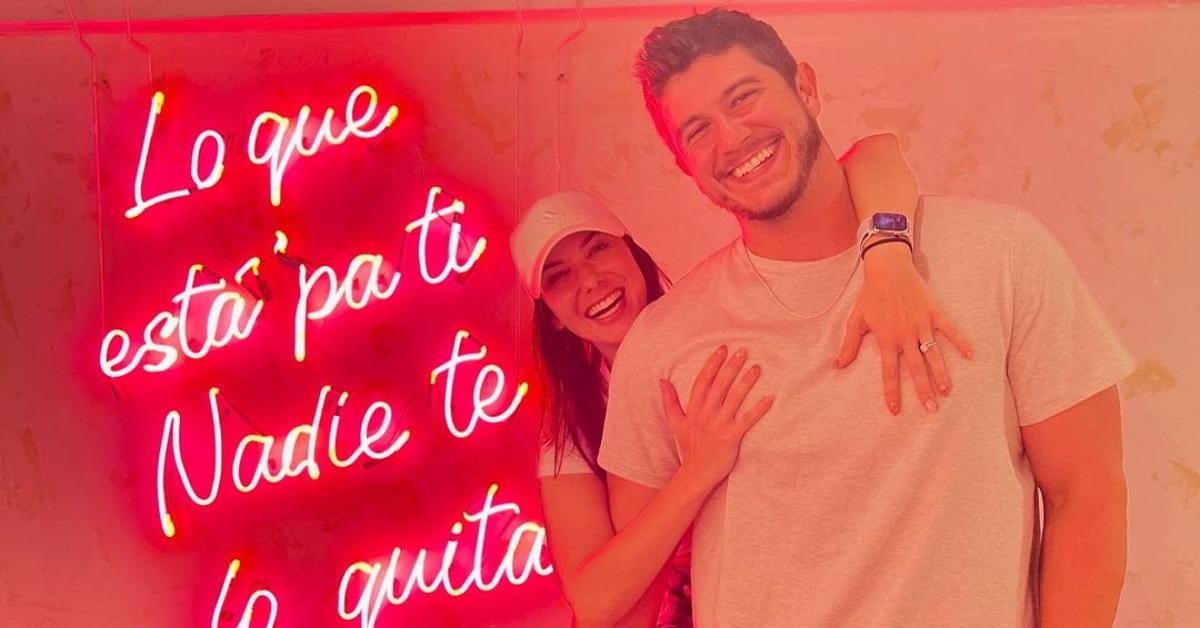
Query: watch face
{"x": 889, "y": 222}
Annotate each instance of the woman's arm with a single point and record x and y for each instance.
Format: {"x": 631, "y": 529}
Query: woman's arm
{"x": 880, "y": 180}
{"x": 895, "y": 303}
{"x": 605, "y": 573}
{"x": 612, "y": 571}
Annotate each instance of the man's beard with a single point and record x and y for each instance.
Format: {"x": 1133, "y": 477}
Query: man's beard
{"x": 806, "y": 152}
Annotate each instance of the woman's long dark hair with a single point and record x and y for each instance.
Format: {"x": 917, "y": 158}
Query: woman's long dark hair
{"x": 573, "y": 388}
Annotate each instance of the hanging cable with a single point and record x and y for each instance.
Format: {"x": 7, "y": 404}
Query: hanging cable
{"x": 560, "y": 78}
{"x": 138, "y": 45}
{"x": 517, "y": 79}
{"x": 91, "y": 53}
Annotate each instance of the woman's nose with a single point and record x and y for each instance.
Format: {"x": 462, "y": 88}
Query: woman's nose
{"x": 590, "y": 277}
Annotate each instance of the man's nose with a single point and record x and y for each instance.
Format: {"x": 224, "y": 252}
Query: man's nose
{"x": 732, "y": 134}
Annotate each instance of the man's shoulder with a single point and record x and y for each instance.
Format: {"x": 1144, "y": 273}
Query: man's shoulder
{"x": 957, "y": 211}
{"x": 710, "y": 274}
{"x": 953, "y": 227}
{"x": 664, "y": 320}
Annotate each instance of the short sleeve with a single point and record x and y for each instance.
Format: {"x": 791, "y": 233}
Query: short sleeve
{"x": 637, "y": 443}
{"x": 572, "y": 462}
{"x": 1061, "y": 349}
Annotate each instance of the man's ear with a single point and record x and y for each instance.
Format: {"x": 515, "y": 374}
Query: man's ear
{"x": 806, "y": 88}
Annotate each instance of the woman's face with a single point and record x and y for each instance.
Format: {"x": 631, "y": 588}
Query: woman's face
{"x": 594, "y": 288}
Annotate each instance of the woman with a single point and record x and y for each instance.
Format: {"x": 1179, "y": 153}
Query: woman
{"x": 569, "y": 241}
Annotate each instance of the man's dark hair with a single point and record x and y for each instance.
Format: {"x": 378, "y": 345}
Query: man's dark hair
{"x": 671, "y": 48}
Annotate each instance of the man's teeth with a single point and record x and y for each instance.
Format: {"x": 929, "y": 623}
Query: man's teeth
{"x": 754, "y": 162}
{"x": 604, "y": 304}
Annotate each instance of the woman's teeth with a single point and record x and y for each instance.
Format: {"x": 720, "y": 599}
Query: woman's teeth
{"x": 606, "y": 305}
{"x": 752, "y": 164}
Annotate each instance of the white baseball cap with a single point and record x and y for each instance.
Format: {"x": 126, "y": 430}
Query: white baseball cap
{"x": 547, "y": 222}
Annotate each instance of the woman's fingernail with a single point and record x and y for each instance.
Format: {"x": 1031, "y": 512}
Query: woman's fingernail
{"x": 722, "y": 349}
{"x": 945, "y": 390}
{"x": 837, "y": 364}
{"x": 741, "y": 353}
{"x": 931, "y": 405}
{"x": 894, "y": 407}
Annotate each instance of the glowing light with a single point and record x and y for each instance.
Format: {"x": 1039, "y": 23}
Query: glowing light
{"x": 170, "y": 435}
{"x": 375, "y": 442}
{"x": 167, "y": 327}
{"x": 367, "y": 437}
{"x": 142, "y": 203}
{"x": 247, "y": 612}
{"x": 228, "y": 312}
{"x": 338, "y": 291}
{"x": 454, "y": 241}
{"x": 286, "y": 140}
{"x": 480, "y": 401}
{"x": 380, "y": 580}
{"x": 218, "y": 166}
{"x": 251, "y": 265}
{"x": 283, "y": 145}
{"x": 261, "y": 468}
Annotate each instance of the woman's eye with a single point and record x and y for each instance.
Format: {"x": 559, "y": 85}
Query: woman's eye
{"x": 696, "y": 131}
{"x": 554, "y": 279}
{"x": 598, "y": 248}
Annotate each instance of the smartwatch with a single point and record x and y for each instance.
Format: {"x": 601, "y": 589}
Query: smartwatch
{"x": 889, "y": 227}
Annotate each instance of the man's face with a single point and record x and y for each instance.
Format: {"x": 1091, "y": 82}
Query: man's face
{"x": 746, "y": 137}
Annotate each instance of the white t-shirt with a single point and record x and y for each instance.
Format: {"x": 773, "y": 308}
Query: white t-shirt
{"x": 572, "y": 461}
{"x": 838, "y": 513}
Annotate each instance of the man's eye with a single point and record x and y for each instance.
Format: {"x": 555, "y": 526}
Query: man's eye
{"x": 742, "y": 98}
{"x": 598, "y": 247}
{"x": 696, "y": 130}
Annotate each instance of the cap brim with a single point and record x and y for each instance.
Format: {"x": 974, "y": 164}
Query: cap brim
{"x": 535, "y": 276}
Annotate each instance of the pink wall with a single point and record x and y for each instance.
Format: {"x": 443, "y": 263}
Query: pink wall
{"x": 1085, "y": 116}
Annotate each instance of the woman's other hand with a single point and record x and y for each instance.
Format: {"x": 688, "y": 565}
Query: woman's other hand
{"x": 709, "y": 430}
{"x": 895, "y": 305}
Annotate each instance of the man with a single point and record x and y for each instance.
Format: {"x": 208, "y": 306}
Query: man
{"x": 838, "y": 513}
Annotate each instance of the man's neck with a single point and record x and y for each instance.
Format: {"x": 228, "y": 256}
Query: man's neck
{"x": 821, "y": 224}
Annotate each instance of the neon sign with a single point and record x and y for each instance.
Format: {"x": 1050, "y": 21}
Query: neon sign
{"x": 247, "y": 613}
{"x": 453, "y": 243}
{"x": 366, "y": 587}
{"x": 167, "y": 326}
{"x": 380, "y": 581}
{"x": 210, "y": 313}
{"x": 481, "y": 402}
{"x": 168, "y": 330}
{"x": 279, "y": 151}
{"x": 338, "y": 291}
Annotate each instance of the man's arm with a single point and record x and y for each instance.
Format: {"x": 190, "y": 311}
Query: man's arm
{"x": 625, "y": 500}
{"x": 1075, "y": 456}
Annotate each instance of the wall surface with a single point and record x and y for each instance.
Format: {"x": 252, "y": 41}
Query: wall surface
{"x": 1084, "y": 115}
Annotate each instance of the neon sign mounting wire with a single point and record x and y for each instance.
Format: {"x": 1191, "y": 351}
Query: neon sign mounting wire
{"x": 96, "y": 158}
{"x": 561, "y": 78}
